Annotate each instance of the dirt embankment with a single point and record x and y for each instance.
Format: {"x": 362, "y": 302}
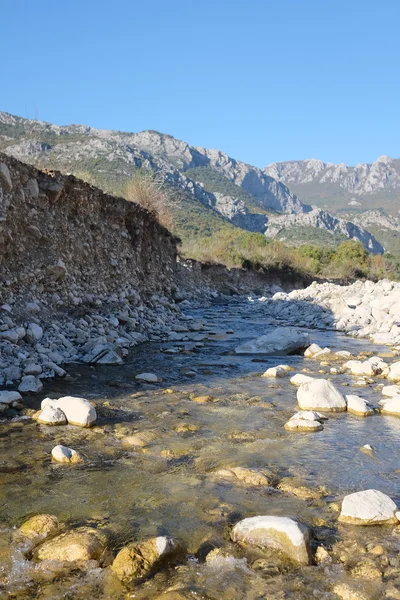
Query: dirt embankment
{"x": 67, "y": 240}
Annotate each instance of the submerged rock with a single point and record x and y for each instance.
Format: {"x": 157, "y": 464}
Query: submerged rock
{"x": 248, "y": 476}
{"x": 369, "y": 507}
{"x": 291, "y": 485}
{"x": 84, "y": 543}
{"x": 282, "y": 533}
{"x": 280, "y": 341}
{"x": 39, "y": 526}
{"x": 137, "y": 560}
{"x": 320, "y": 394}
{"x": 147, "y": 377}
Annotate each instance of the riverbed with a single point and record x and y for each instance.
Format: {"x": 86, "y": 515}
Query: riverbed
{"x": 170, "y": 485}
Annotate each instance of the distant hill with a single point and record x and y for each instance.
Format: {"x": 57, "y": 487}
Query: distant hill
{"x": 337, "y": 186}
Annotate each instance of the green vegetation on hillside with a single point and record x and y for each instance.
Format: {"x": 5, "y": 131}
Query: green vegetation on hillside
{"x": 389, "y": 238}
{"x": 252, "y": 250}
{"x": 299, "y": 235}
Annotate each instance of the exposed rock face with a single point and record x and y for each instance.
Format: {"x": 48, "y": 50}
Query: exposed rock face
{"x": 77, "y": 228}
{"x": 86, "y": 273}
{"x": 282, "y": 533}
{"x": 363, "y": 179}
{"x": 323, "y": 220}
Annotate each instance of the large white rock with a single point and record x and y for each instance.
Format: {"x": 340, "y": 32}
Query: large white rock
{"x": 394, "y": 371}
{"x": 282, "y": 533}
{"x": 390, "y": 406}
{"x": 78, "y": 411}
{"x": 280, "y": 341}
{"x": 300, "y": 378}
{"x": 359, "y": 406}
{"x": 370, "y": 507}
{"x": 320, "y": 394}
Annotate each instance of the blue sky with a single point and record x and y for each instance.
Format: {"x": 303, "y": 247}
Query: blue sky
{"x": 262, "y": 80}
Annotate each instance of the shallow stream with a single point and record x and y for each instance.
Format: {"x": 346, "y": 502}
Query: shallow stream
{"x": 170, "y": 485}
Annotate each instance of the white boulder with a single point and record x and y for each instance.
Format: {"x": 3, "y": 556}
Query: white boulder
{"x": 300, "y": 378}
{"x": 320, "y": 394}
{"x": 282, "y": 533}
{"x": 280, "y": 341}
{"x": 369, "y": 507}
{"x": 358, "y": 406}
{"x": 78, "y": 411}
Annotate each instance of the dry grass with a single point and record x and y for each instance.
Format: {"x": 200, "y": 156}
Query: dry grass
{"x": 147, "y": 189}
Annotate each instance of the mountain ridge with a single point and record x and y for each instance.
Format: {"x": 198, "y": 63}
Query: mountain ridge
{"x": 114, "y": 156}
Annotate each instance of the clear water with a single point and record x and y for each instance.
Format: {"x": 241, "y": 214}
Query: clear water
{"x": 170, "y": 486}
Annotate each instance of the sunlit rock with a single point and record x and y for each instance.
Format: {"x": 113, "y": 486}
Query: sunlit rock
{"x": 282, "y": 533}
{"x": 369, "y": 507}
{"x": 320, "y": 394}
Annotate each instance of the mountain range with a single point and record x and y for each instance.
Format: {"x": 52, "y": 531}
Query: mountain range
{"x": 297, "y": 201}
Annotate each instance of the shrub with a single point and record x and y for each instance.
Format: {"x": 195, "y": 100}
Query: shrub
{"x": 147, "y": 189}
